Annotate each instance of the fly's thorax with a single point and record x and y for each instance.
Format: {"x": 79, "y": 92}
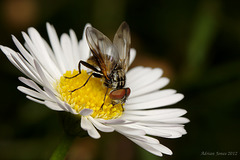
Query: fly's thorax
{"x": 93, "y": 61}
{"x": 117, "y": 79}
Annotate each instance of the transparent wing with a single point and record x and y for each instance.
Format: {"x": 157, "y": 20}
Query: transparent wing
{"x": 103, "y": 50}
{"x": 122, "y": 41}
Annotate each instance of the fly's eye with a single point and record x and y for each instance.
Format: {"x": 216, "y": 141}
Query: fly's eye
{"x": 128, "y": 91}
{"x": 120, "y": 94}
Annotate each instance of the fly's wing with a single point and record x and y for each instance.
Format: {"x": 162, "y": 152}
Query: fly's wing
{"x": 122, "y": 41}
{"x": 103, "y": 50}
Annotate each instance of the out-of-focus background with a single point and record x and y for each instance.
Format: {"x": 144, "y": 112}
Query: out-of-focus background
{"x": 197, "y": 43}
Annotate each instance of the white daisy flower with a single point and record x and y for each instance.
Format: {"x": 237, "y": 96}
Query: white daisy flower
{"x": 47, "y": 67}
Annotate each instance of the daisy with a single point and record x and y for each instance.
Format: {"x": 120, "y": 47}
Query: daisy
{"x": 47, "y": 67}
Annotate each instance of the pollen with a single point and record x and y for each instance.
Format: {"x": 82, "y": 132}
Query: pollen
{"x": 90, "y": 96}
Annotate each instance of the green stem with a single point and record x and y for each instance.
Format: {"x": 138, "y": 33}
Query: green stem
{"x": 63, "y": 148}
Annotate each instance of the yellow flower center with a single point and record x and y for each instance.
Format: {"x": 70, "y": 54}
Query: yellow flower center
{"x": 90, "y": 96}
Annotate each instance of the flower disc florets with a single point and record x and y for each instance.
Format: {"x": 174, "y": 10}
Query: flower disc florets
{"x": 90, "y": 96}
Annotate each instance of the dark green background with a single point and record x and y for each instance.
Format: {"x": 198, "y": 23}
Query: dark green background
{"x": 197, "y": 43}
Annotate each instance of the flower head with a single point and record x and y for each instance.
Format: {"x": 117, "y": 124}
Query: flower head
{"x": 140, "y": 117}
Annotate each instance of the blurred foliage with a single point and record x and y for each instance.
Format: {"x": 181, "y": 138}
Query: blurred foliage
{"x": 197, "y": 43}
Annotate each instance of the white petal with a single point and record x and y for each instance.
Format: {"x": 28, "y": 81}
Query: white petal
{"x": 112, "y": 121}
{"x": 146, "y": 79}
{"x": 130, "y": 74}
{"x": 30, "y": 70}
{"x": 35, "y": 100}
{"x": 31, "y": 93}
{"x": 75, "y": 48}
{"x": 69, "y": 108}
{"x": 157, "y": 124}
{"x": 128, "y": 130}
{"x": 40, "y": 52}
{"x": 179, "y": 129}
{"x": 156, "y": 103}
{"x": 153, "y": 131}
{"x": 16, "y": 63}
{"x": 100, "y": 126}
{"x": 85, "y": 124}
{"x": 53, "y": 106}
{"x": 156, "y": 149}
{"x": 148, "y": 147}
{"x": 135, "y": 73}
{"x": 25, "y": 66}
{"x": 93, "y": 133}
{"x": 158, "y": 84}
{"x": 56, "y": 100}
{"x": 26, "y": 55}
{"x": 172, "y": 133}
{"x": 14, "y": 58}
{"x": 145, "y": 139}
{"x": 67, "y": 51}
{"x": 179, "y": 120}
{"x": 43, "y": 77}
{"x": 86, "y": 112}
{"x": 5, "y": 50}
{"x": 56, "y": 47}
{"x": 150, "y": 96}
{"x": 161, "y": 113}
{"x": 164, "y": 149}
{"x": 34, "y": 86}
{"x": 51, "y": 55}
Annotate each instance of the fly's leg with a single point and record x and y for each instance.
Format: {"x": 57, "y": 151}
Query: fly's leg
{"x": 79, "y": 71}
{"x": 79, "y": 68}
{"x": 98, "y": 74}
{"x": 104, "y": 98}
{"x": 92, "y": 74}
{"x": 83, "y": 84}
{"x": 122, "y": 107}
